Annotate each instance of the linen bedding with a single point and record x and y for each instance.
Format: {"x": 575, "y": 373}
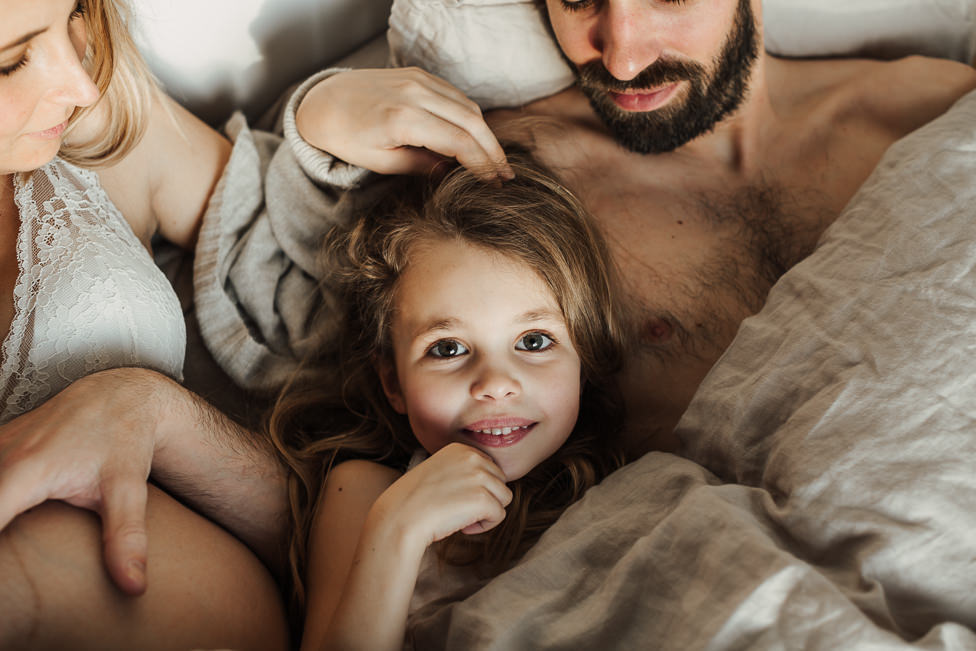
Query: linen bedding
{"x": 841, "y": 424}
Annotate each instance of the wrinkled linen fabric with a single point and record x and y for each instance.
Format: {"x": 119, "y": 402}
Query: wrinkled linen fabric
{"x": 845, "y": 413}
{"x": 88, "y": 295}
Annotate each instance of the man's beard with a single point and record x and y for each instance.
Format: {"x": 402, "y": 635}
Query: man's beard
{"x": 708, "y": 100}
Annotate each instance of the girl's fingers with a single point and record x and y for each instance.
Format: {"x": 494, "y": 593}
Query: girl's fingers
{"x": 446, "y": 138}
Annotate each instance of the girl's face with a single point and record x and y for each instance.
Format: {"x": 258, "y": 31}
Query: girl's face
{"x": 42, "y": 82}
{"x": 482, "y": 356}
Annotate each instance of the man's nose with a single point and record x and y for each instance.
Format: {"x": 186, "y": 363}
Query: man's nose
{"x": 628, "y": 39}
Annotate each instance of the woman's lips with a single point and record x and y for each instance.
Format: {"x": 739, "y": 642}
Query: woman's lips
{"x": 644, "y": 100}
{"x": 53, "y": 132}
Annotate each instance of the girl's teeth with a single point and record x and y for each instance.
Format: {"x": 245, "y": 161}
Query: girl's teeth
{"x": 501, "y": 431}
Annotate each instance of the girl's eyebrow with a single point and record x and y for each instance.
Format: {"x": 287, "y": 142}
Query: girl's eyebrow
{"x": 450, "y": 322}
{"x": 23, "y": 39}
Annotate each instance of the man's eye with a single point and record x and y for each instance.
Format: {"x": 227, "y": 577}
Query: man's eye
{"x": 447, "y": 348}
{"x": 534, "y": 341}
{"x": 576, "y": 5}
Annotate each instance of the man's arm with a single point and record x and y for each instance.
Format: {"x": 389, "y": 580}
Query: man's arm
{"x": 94, "y": 444}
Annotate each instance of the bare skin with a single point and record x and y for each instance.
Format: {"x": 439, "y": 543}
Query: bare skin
{"x": 701, "y": 234}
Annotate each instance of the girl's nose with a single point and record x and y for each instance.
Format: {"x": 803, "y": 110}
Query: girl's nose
{"x": 494, "y": 382}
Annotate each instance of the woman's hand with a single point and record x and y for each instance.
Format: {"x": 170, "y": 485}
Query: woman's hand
{"x": 399, "y": 121}
{"x": 459, "y": 488}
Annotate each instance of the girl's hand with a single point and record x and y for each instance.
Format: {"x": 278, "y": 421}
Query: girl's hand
{"x": 459, "y": 488}
{"x": 399, "y": 121}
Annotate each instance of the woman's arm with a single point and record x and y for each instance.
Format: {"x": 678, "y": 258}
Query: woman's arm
{"x": 370, "y": 533}
{"x": 165, "y": 182}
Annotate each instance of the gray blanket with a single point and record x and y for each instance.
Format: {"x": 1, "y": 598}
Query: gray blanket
{"x": 841, "y": 430}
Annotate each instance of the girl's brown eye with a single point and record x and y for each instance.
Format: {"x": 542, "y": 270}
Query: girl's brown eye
{"x": 534, "y": 342}
{"x": 447, "y": 348}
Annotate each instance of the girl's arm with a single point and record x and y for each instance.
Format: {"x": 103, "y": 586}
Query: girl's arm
{"x": 369, "y": 535}
{"x": 398, "y": 121}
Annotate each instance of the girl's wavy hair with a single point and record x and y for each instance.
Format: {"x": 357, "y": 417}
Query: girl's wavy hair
{"x": 126, "y": 86}
{"x": 345, "y": 413}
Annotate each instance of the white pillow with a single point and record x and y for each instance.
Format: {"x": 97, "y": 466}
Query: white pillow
{"x": 216, "y": 56}
{"x": 882, "y": 28}
{"x": 500, "y": 52}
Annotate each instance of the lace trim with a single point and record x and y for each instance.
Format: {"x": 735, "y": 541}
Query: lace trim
{"x": 88, "y": 295}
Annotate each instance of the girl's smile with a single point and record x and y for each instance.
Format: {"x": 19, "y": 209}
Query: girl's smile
{"x": 482, "y": 356}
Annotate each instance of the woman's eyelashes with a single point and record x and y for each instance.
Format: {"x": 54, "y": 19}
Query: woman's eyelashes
{"x": 6, "y": 71}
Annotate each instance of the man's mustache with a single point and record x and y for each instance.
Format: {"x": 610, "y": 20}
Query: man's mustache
{"x": 663, "y": 71}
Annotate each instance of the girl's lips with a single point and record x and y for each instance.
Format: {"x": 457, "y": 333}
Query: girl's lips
{"x": 498, "y": 423}
{"x": 509, "y": 436}
{"x": 644, "y": 101}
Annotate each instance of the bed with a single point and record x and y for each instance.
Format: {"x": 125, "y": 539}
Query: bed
{"x": 826, "y": 494}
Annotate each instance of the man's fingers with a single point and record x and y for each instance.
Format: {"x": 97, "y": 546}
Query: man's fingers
{"x": 124, "y": 529}
{"x": 18, "y": 491}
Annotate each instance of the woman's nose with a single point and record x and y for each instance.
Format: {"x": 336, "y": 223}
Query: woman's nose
{"x": 71, "y": 85}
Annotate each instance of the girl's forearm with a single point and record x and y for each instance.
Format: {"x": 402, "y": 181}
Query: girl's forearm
{"x": 372, "y": 613}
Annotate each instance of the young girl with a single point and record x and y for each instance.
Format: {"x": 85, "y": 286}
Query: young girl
{"x": 479, "y": 347}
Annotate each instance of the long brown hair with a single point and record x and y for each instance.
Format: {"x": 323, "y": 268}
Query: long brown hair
{"x": 119, "y": 72}
{"x": 345, "y": 414}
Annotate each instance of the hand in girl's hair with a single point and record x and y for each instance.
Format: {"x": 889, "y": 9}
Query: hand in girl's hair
{"x": 399, "y": 121}
{"x": 459, "y": 488}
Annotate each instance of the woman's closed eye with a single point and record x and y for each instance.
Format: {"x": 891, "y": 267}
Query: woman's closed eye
{"x": 534, "y": 342}
{"x": 447, "y": 348}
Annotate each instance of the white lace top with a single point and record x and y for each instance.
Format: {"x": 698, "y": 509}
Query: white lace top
{"x": 88, "y": 296}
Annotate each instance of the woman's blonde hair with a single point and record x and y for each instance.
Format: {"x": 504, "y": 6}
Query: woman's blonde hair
{"x": 344, "y": 415}
{"x": 126, "y": 86}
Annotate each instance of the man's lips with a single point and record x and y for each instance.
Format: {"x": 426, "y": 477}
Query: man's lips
{"x": 644, "y": 100}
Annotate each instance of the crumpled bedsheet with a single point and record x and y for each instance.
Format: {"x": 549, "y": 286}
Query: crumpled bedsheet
{"x": 826, "y": 493}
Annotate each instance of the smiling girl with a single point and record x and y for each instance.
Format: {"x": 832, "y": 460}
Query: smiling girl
{"x": 476, "y": 375}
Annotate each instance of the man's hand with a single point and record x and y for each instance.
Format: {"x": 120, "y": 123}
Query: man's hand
{"x": 399, "y": 121}
{"x": 91, "y": 446}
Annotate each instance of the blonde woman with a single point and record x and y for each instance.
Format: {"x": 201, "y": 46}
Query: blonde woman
{"x": 94, "y": 161}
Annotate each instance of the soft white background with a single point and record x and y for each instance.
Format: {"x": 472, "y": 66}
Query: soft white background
{"x": 216, "y": 55}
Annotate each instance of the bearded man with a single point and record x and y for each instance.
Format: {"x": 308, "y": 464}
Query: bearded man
{"x": 711, "y": 165}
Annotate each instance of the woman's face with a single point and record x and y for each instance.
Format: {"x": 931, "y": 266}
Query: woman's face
{"x": 42, "y": 82}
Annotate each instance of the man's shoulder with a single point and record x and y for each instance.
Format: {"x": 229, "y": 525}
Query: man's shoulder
{"x": 898, "y": 95}
{"x": 907, "y": 93}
